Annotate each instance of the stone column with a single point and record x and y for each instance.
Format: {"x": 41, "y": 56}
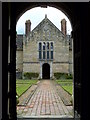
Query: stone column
{"x": 50, "y": 70}
{"x": 40, "y": 70}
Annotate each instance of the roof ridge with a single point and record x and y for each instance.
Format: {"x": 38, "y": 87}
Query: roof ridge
{"x": 46, "y": 18}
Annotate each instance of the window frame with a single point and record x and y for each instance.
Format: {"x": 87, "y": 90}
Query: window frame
{"x": 46, "y": 50}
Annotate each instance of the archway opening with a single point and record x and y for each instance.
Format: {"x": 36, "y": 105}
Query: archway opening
{"x": 46, "y": 71}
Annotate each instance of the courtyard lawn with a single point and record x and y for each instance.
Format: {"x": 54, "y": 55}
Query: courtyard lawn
{"x": 23, "y": 85}
{"x": 66, "y": 85}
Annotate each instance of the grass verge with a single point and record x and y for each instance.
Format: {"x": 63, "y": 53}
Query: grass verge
{"x": 23, "y": 85}
{"x": 67, "y": 85}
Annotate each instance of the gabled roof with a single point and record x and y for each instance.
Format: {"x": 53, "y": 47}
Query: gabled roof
{"x": 46, "y": 20}
{"x": 19, "y": 40}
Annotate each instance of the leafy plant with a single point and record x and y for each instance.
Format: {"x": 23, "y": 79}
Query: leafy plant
{"x": 62, "y": 75}
{"x": 17, "y": 100}
{"x": 28, "y": 75}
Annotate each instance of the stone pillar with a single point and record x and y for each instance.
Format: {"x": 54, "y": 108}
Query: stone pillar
{"x": 27, "y": 27}
{"x": 40, "y": 70}
{"x": 50, "y": 70}
{"x": 63, "y": 26}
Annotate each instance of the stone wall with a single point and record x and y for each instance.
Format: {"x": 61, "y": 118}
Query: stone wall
{"x": 60, "y": 67}
{"x": 61, "y": 52}
{"x": 30, "y": 53}
{"x": 70, "y": 62}
{"x": 19, "y": 64}
{"x": 31, "y": 67}
{"x": 19, "y": 60}
{"x": 45, "y": 32}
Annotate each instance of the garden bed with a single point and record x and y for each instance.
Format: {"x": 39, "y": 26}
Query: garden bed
{"x": 23, "y": 85}
{"x": 67, "y": 85}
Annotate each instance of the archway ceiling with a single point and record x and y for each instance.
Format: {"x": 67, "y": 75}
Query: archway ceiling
{"x": 67, "y": 8}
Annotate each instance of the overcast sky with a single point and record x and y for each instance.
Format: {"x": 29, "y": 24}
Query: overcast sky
{"x": 37, "y": 14}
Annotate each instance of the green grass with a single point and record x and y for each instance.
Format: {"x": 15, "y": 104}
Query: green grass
{"x": 66, "y": 84}
{"x": 23, "y": 85}
{"x": 68, "y": 89}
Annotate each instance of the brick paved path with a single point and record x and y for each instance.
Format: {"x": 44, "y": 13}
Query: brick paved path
{"x": 45, "y": 102}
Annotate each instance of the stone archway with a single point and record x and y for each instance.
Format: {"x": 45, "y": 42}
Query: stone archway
{"x": 79, "y": 22}
{"x": 46, "y": 71}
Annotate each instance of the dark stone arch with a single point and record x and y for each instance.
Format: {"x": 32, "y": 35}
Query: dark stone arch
{"x": 62, "y": 7}
{"x": 75, "y": 11}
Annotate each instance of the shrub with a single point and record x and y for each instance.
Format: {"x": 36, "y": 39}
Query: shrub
{"x": 63, "y": 76}
{"x": 69, "y": 76}
{"x": 29, "y": 75}
{"x": 17, "y": 100}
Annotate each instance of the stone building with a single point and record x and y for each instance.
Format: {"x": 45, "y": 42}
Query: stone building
{"x": 45, "y": 50}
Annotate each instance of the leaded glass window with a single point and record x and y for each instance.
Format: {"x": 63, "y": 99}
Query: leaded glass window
{"x": 51, "y": 45}
{"x": 45, "y": 50}
{"x": 40, "y": 56}
{"x": 44, "y": 45}
{"x": 40, "y": 46}
{"x": 40, "y": 50}
{"x": 43, "y": 54}
{"x": 51, "y": 54}
{"x": 48, "y": 55}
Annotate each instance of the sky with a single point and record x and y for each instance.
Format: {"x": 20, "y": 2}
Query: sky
{"x": 37, "y": 14}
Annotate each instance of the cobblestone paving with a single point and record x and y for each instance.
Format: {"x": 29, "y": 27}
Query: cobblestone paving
{"x": 45, "y": 102}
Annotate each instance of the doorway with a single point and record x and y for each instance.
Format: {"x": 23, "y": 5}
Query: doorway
{"x": 46, "y": 71}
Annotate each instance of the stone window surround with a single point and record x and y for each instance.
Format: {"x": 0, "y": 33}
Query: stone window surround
{"x": 46, "y": 49}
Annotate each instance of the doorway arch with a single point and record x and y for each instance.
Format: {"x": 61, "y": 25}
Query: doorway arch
{"x": 45, "y": 71}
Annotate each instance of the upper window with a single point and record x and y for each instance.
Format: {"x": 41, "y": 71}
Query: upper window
{"x": 51, "y": 45}
{"x": 40, "y": 46}
{"x": 45, "y": 50}
{"x": 44, "y": 54}
{"x": 44, "y": 44}
{"x": 51, "y": 54}
{"x": 40, "y": 55}
{"x": 40, "y": 50}
{"x": 48, "y": 55}
{"x": 47, "y": 45}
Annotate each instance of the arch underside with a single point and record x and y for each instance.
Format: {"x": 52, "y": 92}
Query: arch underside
{"x": 79, "y": 24}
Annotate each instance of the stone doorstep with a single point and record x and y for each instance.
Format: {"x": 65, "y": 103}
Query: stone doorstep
{"x": 26, "y": 100}
{"x": 69, "y": 117}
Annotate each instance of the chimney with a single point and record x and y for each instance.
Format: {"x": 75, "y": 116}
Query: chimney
{"x": 45, "y": 15}
{"x": 63, "y": 26}
{"x": 27, "y": 27}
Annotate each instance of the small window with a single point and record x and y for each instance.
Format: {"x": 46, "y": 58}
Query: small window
{"x": 51, "y": 54}
{"x": 40, "y": 46}
{"x": 47, "y": 54}
{"x": 44, "y": 45}
{"x": 51, "y": 45}
{"x": 43, "y": 54}
{"x": 47, "y": 45}
{"x": 40, "y": 55}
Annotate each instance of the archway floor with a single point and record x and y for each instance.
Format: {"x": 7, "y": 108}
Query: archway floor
{"x": 45, "y": 102}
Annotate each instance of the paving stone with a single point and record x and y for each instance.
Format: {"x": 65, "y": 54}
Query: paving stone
{"x": 45, "y": 101}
